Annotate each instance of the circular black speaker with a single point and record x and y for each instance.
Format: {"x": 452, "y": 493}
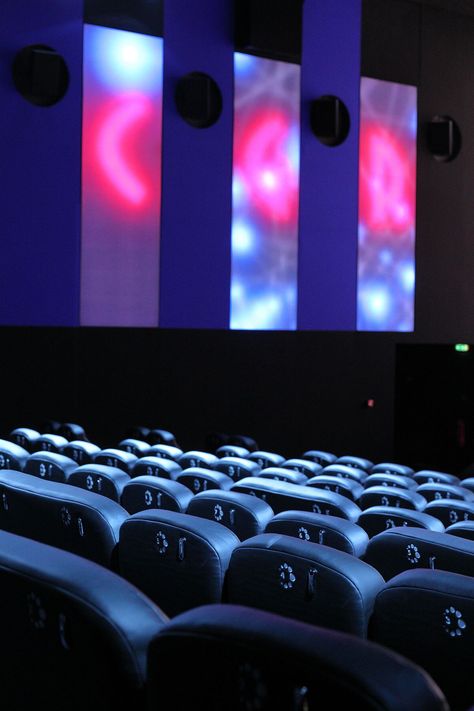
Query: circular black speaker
{"x": 198, "y": 100}
{"x": 40, "y": 75}
{"x": 330, "y": 120}
{"x": 443, "y": 138}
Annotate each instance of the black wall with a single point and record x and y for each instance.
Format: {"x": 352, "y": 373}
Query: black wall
{"x": 289, "y": 390}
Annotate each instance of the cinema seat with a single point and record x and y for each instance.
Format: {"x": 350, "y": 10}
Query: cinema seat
{"x": 198, "y": 479}
{"x": 399, "y": 549}
{"x": 12, "y": 456}
{"x": 136, "y": 446}
{"x": 451, "y": 511}
{"x": 196, "y": 458}
{"x": 50, "y": 443}
{"x": 376, "y": 519}
{"x": 245, "y": 515}
{"x": 428, "y": 617}
{"x": 320, "y": 457}
{"x": 346, "y": 472}
{"x": 249, "y": 660}
{"x": 167, "y": 451}
{"x": 304, "y": 466}
{"x": 392, "y": 468}
{"x": 391, "y": 496}
{"x": 438, "y": 491}
{"x": 51, "y": 466}
{"x": 179, "y": 561}
{"x": 155, "y": 466}
{"x": 283, "y": 496}
{"x": 119, "y": 458}
{"x": 326, "y": 530}
{"x": 303, "y": 580}
{"x": 463, "y": 529}
{"x": 388, "y": 479}
{"x": 60, "y": 515}
{"x": 357, "y": 462}
{"x": 232, "y": 450}
{"x": 346, "y": 487}
{"x": 151, "y": 492}
{"x": 74, "y": 636}
{"x": 266, "y": 459}
{"x": 81, "y": 452}
{"x": 428, "y": 476}
{"x": 107, "y": 481}
{"x": 237, "y": 467}
{"x": 282, "y": 474}
{"x": 25, "y": 437}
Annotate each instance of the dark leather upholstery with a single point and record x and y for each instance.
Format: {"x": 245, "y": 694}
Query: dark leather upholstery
{"x": 151, "y": 492}
{"x": 329, "y": 531}
{"x": 248, "y": 660}
{"x": 377, "y": 519}
{"x": 428, "y": 617}
{"x": 245, "y": 515}
{"x": 107, "y": 481}
{"x": 179, "y": 561}
{"x": 61, "y": 515}
{"x": 76, "y": 635}
{"x": 304, "y": 581}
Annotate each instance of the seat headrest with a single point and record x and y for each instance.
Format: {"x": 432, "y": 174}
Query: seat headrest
{"x": 245, "y": 515}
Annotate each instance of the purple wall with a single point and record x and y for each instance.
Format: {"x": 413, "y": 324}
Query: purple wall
{"x": 41, "y": 159}
{"x": 197, "y": 171}
{"x": 327, "y": 268}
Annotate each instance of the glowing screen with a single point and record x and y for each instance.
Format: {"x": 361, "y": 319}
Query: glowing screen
{"x": 121, "y": 177}
{"x": 387, "y": 206}
{"x": 265, "y": 192}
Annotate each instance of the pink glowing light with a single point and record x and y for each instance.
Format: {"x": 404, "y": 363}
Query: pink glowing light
{"x": 387, "y": 187}
{"x": 116, "y": 132}
{"x": 262, "y": 158}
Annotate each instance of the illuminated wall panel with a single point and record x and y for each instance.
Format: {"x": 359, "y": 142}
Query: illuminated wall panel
{"x": 265, "y": 194}
{"x": 121, "y": 177}
{"x": 387, "y": 206}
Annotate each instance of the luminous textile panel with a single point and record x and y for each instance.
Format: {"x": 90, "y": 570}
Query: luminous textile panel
{"x": 387, "y": 206}
{"x": 121, "y": 177}
{"x": 265, "y": 191}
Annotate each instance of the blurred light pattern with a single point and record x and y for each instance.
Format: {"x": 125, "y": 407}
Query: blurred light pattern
{"x": 387, "y": 206}
{"x": 121, "y": 177}
{"x": 265, "y": 194}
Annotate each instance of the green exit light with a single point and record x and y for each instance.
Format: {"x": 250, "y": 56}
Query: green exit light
{"x": 462, "y": 347}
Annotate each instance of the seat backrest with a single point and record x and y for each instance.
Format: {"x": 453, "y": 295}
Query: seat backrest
{"x": 380, "y": 518}
{"x": 199, "y": 479}
{"x": 156, "y": 466}
{"x": 245, "y": 659}
{"x": 283, "y": 496}
{"x": 392, "y": 468}
{"x": 451, "y": 510}
{"x": 320, "y": 457}
{"x": 356, "y": 462}
{"x": 428, "y": 476}
{"x": 282, "y": 474}
{"x": 151, "y": 492}
{"x": 305, "y": 466}
{"x": 245, "y": 515}
{"x": 405, "y": 548}
{"x": 346, "y": 487}
{"x": 196, "y": 458}
{"x": 119, "y": 458}
{"x": 81, "y": 452}
{"x": 389, "y": 479}
{"x": 61, "y": 515}
{"x": 391, "y": 496}
{"x": 437, "y": 491}
{"x": 179, "y": 561}
{"x": 237, "y": 467}
{"x": 428, "y": 617}
{"x": 304, "y": 581}
{"x": 12, "y": 456}
{"x": 74, "y": 635}
{"x": 464, "y": 529}
{"x": 329, "y": 531}
{"x": 101, "y": 479}
{"x": 266, "y": 459}
{"x": 51, "y": 466}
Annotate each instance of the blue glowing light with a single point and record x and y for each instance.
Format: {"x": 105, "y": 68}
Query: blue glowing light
{"x": 407, "y": 277}
{"x": 375, "y": 302}
{"x": 243, "y": 238}
{"x": 124, "y": 60}
{"x": 244, "y": 64}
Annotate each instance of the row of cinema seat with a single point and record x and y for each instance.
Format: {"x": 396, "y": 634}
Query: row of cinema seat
{"x": 182, "y": 560}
